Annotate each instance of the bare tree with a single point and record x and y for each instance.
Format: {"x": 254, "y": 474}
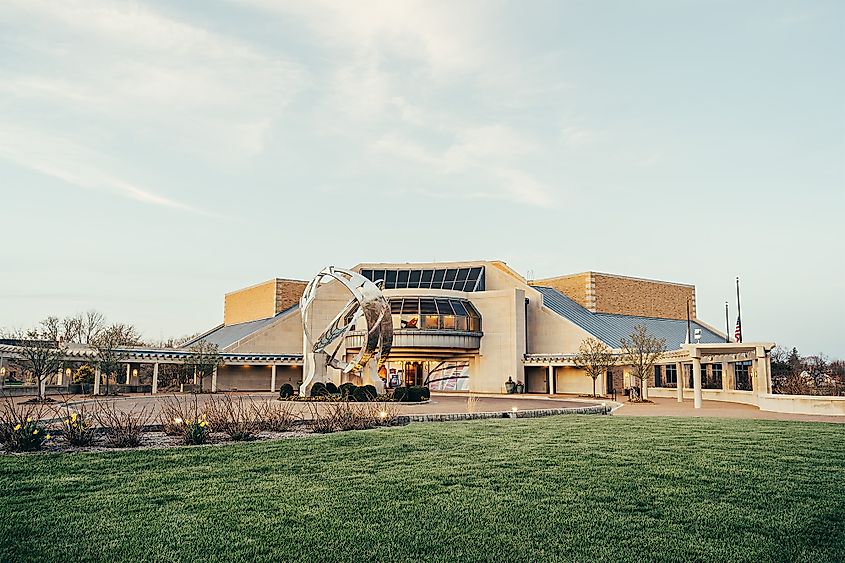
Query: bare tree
{"x": 203, "y": 359}
{"x": 41, "y": 356}
{"x": 596, "y": 358}
{"x": 641, "y": 351}
{"x": 72, "y": 328}
{"x": 111, "y": 343}
{"x": 92, "y": 323}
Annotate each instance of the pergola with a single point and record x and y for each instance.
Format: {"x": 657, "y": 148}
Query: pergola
{"x": 758, "y": 353}
{"x": 156, "y": 357}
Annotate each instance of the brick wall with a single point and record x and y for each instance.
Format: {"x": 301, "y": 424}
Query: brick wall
{"x": 645, "y": 298}
{"x": 261, "y": 301}
{"x": 575, "y": 287}
{"x": 609, "y": 293}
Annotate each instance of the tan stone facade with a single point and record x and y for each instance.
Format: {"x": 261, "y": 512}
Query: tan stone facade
{"x": 261, "y": 301}
{"x": 622, "y": 295}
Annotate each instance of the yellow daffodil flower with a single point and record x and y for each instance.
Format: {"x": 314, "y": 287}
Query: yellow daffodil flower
{"x": 34, "y": 432}
{"x": 17, "y": 427}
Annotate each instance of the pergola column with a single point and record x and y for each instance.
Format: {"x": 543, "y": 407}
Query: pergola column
{"x": 155, "y": 378}
{"x": 128, "y": 374}
{"x": 763, "y": 383}
{"x": 214, "y": 380}
{"x": 60, "y": 376}
{"x": 552, "y": 382}
{"x": 679, "y": 381}
{"x": 726, "y": 378}
{"x": 97, "y": 377}
{"x": 696, "y": 381}
{"x": 273, "y": 378}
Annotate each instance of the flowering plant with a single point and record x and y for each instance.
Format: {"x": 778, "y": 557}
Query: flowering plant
{"x": 195, "y": 432}
{"x": 77, "y": 428}
{"x": 26, "y": 436}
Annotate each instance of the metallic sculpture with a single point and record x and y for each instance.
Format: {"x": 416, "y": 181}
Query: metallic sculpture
{"x": 367, "y": 301}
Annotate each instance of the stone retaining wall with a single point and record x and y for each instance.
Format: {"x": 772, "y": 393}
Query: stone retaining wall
{"x": 535, "y": 413}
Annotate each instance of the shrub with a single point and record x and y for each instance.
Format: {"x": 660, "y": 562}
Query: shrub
{"x": 183, "y": 417}
{"x": 413, "y": 394}
{"x": 371, "y": 392}
{"x": 321, "y": 421}
{"x": 21, "y": 428}
{"x": 195, "y": 431}
{"x": 346, "y": 389}
{"x": 237, "y": 417}
{"x": 286, "y": 391}
{"x": 319, "y": 389}
{"x": 84, "y": 374}
{"x": 360, "y": 394}
{"x": 332, "y": 388}
{"x": 121, "y": 429}
{"x": 77, "y": 425}
{"x": 275, "y": 417}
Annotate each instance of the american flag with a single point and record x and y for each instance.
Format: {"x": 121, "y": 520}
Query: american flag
{"x": 738, "y": 331}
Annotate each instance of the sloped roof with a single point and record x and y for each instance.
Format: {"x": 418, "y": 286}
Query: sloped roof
{"x": 612, "y": 328}
{"x": 226, "y": 335}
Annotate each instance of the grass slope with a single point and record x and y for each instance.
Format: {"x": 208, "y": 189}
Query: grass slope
{"x": 558, "y": 488}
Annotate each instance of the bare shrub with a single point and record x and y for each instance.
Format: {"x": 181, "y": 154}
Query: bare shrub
{"x": 352, "y": 416}
{"x": 21, "y": 426}
{"x": 275, "y": 416}
{"x": 121, "y": 429}
{"x": 322, "y": 421}
{"x": 182, "y": 416}
{"x": 237, "y": 417}
{"x": 77, "y": 423}
{"x": 385, "y": 413}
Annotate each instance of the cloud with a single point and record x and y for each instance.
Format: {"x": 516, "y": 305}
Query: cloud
{"x": 76, "y": 165}
{"x": 193, "y": 89}
{"x": 490, "y": 155}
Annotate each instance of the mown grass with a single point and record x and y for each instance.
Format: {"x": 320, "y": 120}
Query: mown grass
{"x": 560, "y": 488}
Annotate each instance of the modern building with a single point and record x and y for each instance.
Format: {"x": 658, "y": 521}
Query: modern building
{"x": 471, "y": 326}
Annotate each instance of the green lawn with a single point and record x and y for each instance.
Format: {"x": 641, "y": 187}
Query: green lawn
{"x": 560, "y": 488}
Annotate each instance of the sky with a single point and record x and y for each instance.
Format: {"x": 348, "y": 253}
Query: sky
{"x": 156, "y": 155}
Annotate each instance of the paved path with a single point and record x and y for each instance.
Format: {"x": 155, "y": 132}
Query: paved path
{"x": 719, "y": 409}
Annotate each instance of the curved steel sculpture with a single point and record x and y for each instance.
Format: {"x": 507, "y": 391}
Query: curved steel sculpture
{"x": 367, "y": 301}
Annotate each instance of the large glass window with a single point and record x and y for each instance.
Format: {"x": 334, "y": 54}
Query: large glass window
{"x": 713, "y": 378}
{"x": 427, "y": 313}
{"x": 670, "y": 375}
{"x": 459, "y": 279}
{"x": 742, "y": 376}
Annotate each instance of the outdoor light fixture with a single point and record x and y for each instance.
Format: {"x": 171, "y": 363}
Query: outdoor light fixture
{"x": 604, "y": 408}
{"x": 382, "y": 414}
{"x": 514, "y": 409}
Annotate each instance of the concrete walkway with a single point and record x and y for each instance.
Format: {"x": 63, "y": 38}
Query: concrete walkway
{"x": 719, "y": 409}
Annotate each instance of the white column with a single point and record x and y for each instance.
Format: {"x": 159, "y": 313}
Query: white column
{"x": 155, "y": 378}
{"x": 195, "y": 376}
{"x": 763, "y": 381}
{"x": 696, "y": 381}
{"x": 60, "y": 377}
{"x": 552, "y": 382}
{"x": 272, "y": 378}
{"x": 214, "y": 380}
{"x": 97, "y": 377}
{"x": 680, "y": 381}
{"x": 128, "y": 374}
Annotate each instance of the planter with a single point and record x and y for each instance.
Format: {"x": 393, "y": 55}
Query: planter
{"x": 520, "y": 388}
{"x": 510, "y": 387}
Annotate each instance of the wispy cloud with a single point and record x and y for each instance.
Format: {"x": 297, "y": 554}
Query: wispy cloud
{"x": 76, "y": 165}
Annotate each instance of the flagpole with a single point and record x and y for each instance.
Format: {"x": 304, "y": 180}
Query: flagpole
{"x": 727, "y": 324}
{"x": 738, "y": 310}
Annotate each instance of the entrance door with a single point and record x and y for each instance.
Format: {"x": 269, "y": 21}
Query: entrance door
{"x": 413, "y": 373}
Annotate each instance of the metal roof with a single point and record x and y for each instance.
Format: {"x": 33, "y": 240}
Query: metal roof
{"x": 611, "y": 328}
{"x": 226, "y": 335}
